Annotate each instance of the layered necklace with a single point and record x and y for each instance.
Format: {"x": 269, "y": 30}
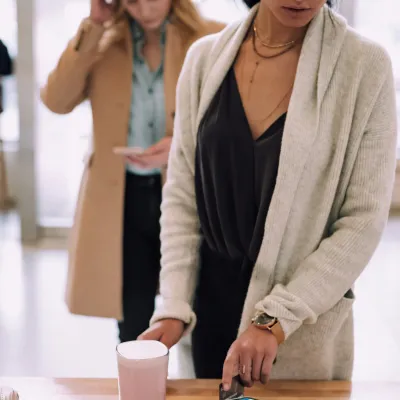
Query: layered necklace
{"x": 283, "y": 47}
{"x": 286, "y": 47}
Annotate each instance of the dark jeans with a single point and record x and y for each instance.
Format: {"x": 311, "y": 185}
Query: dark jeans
{"x": 141, "y": 253}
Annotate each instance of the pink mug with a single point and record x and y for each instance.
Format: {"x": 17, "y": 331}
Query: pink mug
{"x": 142, "y": 370}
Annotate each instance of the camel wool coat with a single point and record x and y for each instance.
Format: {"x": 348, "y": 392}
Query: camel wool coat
{"x": 331, "y": 199}
{"x": 97, "y": 65}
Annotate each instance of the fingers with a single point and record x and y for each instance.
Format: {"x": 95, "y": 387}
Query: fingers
{"x": 257, "y": 367}
{"x": 147, "y": 161}
{"x": 245, "y": 367}
{"x": 169, "y": 339}
{"x": 266, "y": 369}
{"x": 134, "y": 160}
{"x": 161, "y": 146}
{"x": 155, "y": 149}
{"x": 230, "y": 370}
{"x": 153, "y": 333}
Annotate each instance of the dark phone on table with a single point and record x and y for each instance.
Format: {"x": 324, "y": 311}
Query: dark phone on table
{"x": 236, "y": 392}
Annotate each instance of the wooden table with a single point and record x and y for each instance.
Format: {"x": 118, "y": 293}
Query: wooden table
{"x": 107, "y": 389}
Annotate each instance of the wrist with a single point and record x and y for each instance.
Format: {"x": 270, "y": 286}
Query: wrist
{"x": 265, "y": 322}
{"x": 96, "y": 20}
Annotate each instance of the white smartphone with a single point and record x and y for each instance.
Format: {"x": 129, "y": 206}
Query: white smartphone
{"x": 128, "y": 151}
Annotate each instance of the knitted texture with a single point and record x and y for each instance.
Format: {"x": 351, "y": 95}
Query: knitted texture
{"x": 331, "y": 200}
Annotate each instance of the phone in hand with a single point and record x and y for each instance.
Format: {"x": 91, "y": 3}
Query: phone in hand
{"x": 128, "y": 151}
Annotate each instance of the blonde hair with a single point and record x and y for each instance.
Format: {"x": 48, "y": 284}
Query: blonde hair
{"x": 186, "y": 15}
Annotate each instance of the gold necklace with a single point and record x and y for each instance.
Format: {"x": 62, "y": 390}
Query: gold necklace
{"x": 277, "y": 106}
{"x": 257, "y": 64}
{"x": 271, "y": 46}
{"x": 285, "y": 50}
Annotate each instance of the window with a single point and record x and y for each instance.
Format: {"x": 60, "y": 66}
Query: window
{"x": 385, "y": 30}
{"x": 61, "y": 139}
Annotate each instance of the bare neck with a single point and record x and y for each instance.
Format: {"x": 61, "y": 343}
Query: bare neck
{"x": 152, "y": 38}
{"x": 272, "y": 30}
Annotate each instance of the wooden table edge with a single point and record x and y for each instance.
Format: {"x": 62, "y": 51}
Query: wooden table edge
{"x": 207, "y": 389}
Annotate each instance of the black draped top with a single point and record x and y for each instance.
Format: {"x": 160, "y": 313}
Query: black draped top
{"x": 234, "y": 181}
{"x": 235, "y": 175}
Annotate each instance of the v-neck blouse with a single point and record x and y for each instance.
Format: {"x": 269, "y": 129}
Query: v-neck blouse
{"x": 234, "y": 175}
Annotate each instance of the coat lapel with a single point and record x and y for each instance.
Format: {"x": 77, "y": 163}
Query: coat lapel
{"x": 175, "y": 50}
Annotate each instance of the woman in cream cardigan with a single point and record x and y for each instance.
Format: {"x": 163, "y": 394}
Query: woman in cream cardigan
{"x": 279, "y": 184}
{"x": 126, "y": 59}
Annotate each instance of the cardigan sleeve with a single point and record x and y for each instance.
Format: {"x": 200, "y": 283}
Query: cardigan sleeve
{"x": 180, "y": 228}
{"x": 324, "y": 277}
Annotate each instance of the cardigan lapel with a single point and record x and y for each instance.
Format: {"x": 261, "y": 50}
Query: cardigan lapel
{"x": 320, "y": 52}
{"x": 221, "y": 57}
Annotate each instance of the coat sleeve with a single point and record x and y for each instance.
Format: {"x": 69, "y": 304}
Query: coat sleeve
{"x": 180, "y": 231}
{"x": 67, "y": 84}
{"x": 324, "y": 277}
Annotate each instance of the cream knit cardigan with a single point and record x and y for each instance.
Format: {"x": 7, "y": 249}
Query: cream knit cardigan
{"x": 331, "y": 199}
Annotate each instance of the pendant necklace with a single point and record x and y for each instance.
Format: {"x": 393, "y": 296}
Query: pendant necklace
{"x": 286, "y": 48}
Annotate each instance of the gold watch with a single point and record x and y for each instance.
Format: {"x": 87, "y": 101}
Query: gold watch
{"x": 265, "y": 322}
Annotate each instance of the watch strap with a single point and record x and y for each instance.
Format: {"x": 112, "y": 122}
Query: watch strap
{"x": 274, "y": 327}
{"x": 278, "y": 332}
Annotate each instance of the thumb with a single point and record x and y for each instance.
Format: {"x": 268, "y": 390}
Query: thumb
{"x": 169, "y": 339}
{"x": 158, "y": 147}
{"x": 154, "y": 149}
{"x": 152, "y": 333}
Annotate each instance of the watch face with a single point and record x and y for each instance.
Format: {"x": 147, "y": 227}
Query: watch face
{"x": 264, "y": 319}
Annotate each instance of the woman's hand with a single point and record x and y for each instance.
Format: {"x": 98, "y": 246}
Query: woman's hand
{"x": 167, "y": 331}
{"x": 251, "y": 356}
{"x": 101, "y": 12}
{"x": 155, "y": 156}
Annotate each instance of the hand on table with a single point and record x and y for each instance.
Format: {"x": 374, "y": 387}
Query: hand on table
{"x": 252, "y": 356}
{"x": 166, "y": 331}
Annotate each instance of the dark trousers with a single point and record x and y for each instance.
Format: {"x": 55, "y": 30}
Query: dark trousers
{"x": 141, "y": 253}
{"x": 220, "y": 295}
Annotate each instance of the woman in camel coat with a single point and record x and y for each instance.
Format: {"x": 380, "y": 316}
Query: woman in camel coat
{"x": 125, "y": 59}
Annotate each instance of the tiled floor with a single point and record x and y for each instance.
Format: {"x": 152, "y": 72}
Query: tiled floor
{"x": 39, "y": 338}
